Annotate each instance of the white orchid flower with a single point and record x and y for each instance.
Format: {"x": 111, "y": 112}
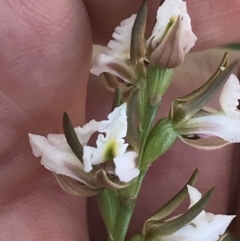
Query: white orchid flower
{"x": 167, "y": 14}
{"x": 205, "y": 227}
{"x": 115, "y": 58}
{"x": 58, "y": 157}
{"x": 210, "y": 129}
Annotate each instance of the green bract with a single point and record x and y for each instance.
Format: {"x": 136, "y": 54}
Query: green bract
{"x": 160, "y": 139}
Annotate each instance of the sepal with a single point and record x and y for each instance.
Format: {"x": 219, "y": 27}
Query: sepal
{"x": 171, "y": 205}
{"x": 118, "y": 98}
{"x": 138, "y": 48}
{"x": 169, "y": 53}
{"x": 184, "y": 108}
{"x": 103, "y": 180}
{"x": 112, "y": 82}
{"x": 74, "y": 187}
{"x": 161, "y": 229}
{"x": 71, "y": 137}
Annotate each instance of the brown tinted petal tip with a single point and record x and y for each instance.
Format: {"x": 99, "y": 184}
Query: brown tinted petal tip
{"x": 73, "y": 187}
{"x": 111, "y": 83}
{"x": 103, "y": 180}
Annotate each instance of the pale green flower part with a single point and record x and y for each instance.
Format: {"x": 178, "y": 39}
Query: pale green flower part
{"x": 205, "y": 227}
{"x": 58, "y": 157}
{"x": 210, "y": 129}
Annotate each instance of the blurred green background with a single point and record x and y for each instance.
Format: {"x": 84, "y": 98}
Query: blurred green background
{"x": 234, "y": 46}
{"x": 228, "y": 238}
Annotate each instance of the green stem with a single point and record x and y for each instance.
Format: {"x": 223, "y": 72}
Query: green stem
{"x": 110, "y": 238}
{"x": 128, "y": 196}
{"x": 141, "y": 101}
{"x": 127, "y": 201}
{"x": 149, "y": 118}
{"x": 125, "y": 211}
{"x": 148, "y": 103}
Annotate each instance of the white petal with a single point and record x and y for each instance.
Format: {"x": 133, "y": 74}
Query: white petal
{"x": 229, "y": 97}
{"x": 88, "y": 152}
{"x": 220, "y": 223}
{"x": 116, "y": 125}
{"x": 207, "y": 226}
{"x": 114, "y": 129}
{"x": 205, "y": 232}
{"x": 54, "y": 159}
{"x": 113, "y": 65}
{"x": 96, "y": 52}
{"x": 209, "y": 217}
{"x": 195, "y": 196}
{"x": 59, "y": 141}
{"x": 169, "y": 9}
{"x": 120, "y": 45}
{"x": 84, "y": 133}
{"x": 115, "y": 58}
{"x": 213, "y": 125}
{"x": 125, "y": 166}
{"x": 105, "y": 145}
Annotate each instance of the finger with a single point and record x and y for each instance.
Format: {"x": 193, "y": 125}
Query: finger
{"x": 214, "y": 22}
{"x": 44, "y": 63}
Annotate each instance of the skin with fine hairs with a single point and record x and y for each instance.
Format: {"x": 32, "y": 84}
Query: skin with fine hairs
{"x": 45, "y": 55}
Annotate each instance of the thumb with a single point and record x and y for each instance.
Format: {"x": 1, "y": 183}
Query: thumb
{"x": 44, "y": 63}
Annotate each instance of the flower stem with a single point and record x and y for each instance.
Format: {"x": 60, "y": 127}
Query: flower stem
{"x": 127, "y": 202}
{"x": 110, "y": 238}
{"x": 125, "y": 211}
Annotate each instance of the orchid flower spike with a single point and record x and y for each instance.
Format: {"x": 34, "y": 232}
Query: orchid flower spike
{"x": 205, "y": 227}
{"x": 171, "y": 39}
{"x": 208, "y": 128}
{"x": 110, "y": 153}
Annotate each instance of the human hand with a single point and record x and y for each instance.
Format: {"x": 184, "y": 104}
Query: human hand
{"x": 44, "y": 61}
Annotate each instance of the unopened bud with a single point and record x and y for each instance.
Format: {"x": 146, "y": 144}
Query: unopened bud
{"x": 170, "y": 52}
{"x": 172, "y": 36}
